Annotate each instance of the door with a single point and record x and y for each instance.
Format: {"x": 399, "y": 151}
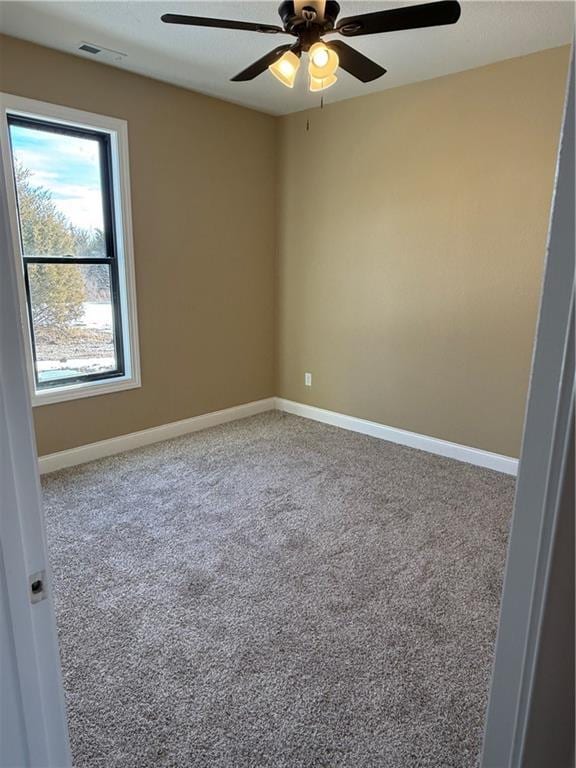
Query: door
{"x": 33, "y": 730}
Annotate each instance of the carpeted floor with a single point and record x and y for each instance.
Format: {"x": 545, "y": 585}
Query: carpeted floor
{"x": 276, "y": 592}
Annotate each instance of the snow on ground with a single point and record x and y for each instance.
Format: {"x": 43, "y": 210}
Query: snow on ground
{"x": 97, "y": 315}
{"x": 48, "y": 370}
{"x": 99, "y": 363}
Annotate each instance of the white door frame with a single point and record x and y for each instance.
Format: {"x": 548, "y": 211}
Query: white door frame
{"x": 32, "y": 658}
{"x": 545, "y": 448}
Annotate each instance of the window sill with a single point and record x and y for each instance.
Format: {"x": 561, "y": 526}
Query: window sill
{"x": 78, "y": 391}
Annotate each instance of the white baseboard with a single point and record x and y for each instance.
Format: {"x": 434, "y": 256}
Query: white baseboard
{"x": 53, "y": 461}
{"x": 464, "y": 453}
{"x": 92, "y": 451}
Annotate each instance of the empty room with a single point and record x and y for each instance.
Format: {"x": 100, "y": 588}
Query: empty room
{"x": 287, "y": 384}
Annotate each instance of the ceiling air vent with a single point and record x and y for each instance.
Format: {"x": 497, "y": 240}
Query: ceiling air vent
{"x": 104, "y": 54}
{"x": 89, "y": 48}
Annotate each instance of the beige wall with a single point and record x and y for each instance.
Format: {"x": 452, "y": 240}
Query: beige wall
{"x": 203, "y": 199}
{"x": 412, "y": 236}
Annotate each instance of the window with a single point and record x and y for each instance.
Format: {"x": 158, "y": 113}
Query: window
{"x": 71, "y": 219}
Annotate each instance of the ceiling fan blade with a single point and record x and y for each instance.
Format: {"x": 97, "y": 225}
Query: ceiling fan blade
{"x": 410, "y": 17}
{"x": 261, "y": 65}
{"x": 356, "y": 63}
{"x": 202, "y": 21}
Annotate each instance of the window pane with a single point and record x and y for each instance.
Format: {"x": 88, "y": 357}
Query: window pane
{"x": 73, "y": 321}
{"x": 59, "y": 188}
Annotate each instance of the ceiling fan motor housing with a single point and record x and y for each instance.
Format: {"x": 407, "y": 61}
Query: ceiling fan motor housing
{"x": 296, "y": 24}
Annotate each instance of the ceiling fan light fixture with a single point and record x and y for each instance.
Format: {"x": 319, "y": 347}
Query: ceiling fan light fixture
{"x": 323, "y": 61}
{"x": 285, "y": 68}
{"x": 321, "y": 83}
{"x": 309, "y": 23}
{"x": 320, "y": 57}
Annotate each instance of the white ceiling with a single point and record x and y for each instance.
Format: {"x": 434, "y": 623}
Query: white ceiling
{"x": 204, "y": 59}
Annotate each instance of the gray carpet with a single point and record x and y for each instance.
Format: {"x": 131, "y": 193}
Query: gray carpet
{"x": 276, "y": 592}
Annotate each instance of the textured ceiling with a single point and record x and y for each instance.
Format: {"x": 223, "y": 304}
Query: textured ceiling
{"x": 204, "y": 59}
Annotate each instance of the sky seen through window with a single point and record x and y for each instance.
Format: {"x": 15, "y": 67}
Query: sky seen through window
{"x": 67, "y": 166}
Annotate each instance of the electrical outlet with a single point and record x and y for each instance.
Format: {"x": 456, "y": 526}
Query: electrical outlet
{"x": 308, "y": 379}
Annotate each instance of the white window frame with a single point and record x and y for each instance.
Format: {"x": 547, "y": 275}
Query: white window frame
{"x": 118, "y": 132}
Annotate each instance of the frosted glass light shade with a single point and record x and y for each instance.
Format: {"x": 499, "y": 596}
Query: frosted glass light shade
{"x": 285, "y": 68}
{"x": 320, "y": 84}
{"x": 323, "y": 61}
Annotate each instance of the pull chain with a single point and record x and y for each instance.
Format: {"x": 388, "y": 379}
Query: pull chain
{"x": 321, "y": 107}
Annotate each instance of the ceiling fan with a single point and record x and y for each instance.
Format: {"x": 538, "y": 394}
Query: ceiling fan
{"x": 309, "y": 24}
